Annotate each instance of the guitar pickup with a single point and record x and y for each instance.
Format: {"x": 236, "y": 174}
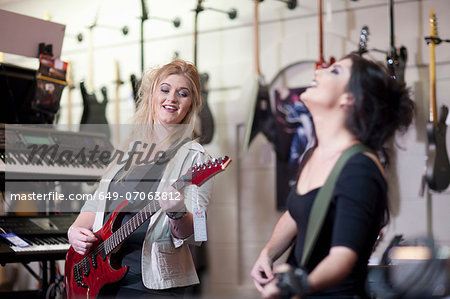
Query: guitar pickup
{"x": 86, "y": 266}
{"x": 94, "y": 261}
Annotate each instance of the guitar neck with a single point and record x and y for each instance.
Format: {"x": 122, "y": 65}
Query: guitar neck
{"x": 256, "y": 37}
{"x": 432, "y": 70}
{"x": 196, "y": 175}
{"x": 91, "y": 60}
{"x": 433, "y": 112}
{"x": 321, "y": 58}
{"x": 139, "y": 219}
{"x": 129, "y": 227}
{"x": 393, "y": 51}
{"x": 198, "y": 9}
{"x": 321, "y": 64}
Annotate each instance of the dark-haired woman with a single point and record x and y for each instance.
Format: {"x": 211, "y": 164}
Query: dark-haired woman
{"x": 353, "y": 101}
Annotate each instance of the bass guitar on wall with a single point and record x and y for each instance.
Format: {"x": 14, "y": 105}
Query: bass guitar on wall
{"x": 86, "y": 274}
{"x": 438, "y": 166}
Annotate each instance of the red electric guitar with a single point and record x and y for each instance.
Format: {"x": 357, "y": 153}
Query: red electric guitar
{"x": 322, "y": 64}
{"x": 86, "y": 274}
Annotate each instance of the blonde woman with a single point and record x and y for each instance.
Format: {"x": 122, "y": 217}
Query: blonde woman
{"x": 158, "y": 252}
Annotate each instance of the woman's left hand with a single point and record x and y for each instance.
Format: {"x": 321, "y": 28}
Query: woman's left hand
{"x": 172, "y": 200}
{"x": 271, "y": 290}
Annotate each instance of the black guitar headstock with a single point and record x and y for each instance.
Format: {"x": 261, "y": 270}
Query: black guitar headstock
{"x": 396, "y": 59}
{"x": 396, "y": 62}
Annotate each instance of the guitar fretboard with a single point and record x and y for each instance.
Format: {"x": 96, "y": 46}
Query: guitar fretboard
{"x": 130, "y": 226}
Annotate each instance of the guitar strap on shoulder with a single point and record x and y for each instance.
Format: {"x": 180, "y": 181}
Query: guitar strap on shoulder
{"x": 323, "y": 199}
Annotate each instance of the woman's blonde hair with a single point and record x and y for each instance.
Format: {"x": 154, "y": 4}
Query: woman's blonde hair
{"x": 143, "y": 126}
{"x": 151, "y": 79}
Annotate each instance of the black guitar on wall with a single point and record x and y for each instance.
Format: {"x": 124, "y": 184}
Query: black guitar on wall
{"x": 94, "y": 112}
{"x": 438, "y": 166}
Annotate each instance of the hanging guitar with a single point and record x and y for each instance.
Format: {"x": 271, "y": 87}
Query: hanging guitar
{"x": 94, "y": 112}
{"x": 322, "y": 64}
{"x": 396, "y": 59}
{"x": 262, "y": 119}
{"x": 206, "y": 130}
{"x": 86, "y": 274}
{"x": 438, "y": 166}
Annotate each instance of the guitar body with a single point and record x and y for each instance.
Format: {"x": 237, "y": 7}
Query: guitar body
{"x": 94, "y": 112}
{"x": 438, "y": 165}
{"x": 86, "y": 274}
{"x": 263, "y": 118}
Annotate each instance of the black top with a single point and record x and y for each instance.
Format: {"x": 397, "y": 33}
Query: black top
{"x": 130, "y": 252}
{"x": 354, "y": 219}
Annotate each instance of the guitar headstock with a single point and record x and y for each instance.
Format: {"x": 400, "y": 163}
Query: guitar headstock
{"x": 433, "y": 25}
{"x": 363, "y": 39}
{"x": 322, "y": 64}
{"x": 203, "y": 172}
{"x": 200, "y": 173}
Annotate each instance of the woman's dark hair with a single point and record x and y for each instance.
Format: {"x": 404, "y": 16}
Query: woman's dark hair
{"x": 382, "y": 105}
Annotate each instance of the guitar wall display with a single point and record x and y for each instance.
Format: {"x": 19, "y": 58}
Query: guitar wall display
{"x": 86, "y": 274}
{"x": 438, "y": 166}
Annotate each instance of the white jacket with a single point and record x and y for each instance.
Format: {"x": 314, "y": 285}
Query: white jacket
{"x": 166, "y": 261}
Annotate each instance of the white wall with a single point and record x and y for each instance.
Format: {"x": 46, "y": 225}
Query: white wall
{"x": 240, "y": 221}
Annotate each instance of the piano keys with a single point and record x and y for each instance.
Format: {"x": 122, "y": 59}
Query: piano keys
{"x": 47, "y": 236}
{"x": 43, "y": 244}
{"x": 41, "y": 153}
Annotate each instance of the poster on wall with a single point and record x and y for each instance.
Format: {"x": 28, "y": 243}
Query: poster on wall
{"x": 295, "y": 134}
{"x": 286, "y": 123}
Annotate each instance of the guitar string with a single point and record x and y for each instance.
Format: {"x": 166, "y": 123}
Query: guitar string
{"x": 147, "y": 209}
